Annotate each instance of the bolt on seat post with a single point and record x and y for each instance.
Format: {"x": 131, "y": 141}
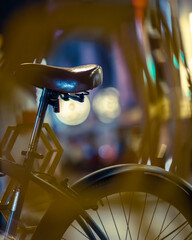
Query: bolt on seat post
{"x": 29, "y": 160}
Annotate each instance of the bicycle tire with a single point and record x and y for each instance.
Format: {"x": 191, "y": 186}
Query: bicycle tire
{"x": 167, "y": 198}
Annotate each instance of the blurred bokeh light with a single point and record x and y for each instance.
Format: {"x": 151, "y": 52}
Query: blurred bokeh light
{"x": 106, "y": 104}
{"x": 73, "y": 112}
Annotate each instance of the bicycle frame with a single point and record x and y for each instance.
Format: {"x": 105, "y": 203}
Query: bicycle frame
{"x": 24, "y": 174}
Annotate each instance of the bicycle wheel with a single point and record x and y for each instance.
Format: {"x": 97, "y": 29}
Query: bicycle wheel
{"x": 133, "y": 202}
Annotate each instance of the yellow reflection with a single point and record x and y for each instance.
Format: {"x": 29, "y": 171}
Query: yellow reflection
{"x": 185, "y": 108}
{"x": 73, "y": 112}
{"x": 190, "y": 38}
{"x": 190, "y": 21}
{"x": 106, "y": 105}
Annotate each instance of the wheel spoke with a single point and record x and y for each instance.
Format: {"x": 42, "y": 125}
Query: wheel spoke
{"x": 180, "y": 231}
{"x": 161, "y": 230}
{"x": 127, "y": 223}
{"x": 189, "y": 235}
{"x": 113, "y": 218}
{"x": 167, "y": 225}
{"x": 102, "y": 224}
{"x": 174, "y": 230}
{"x": 142, "y": 216}
{"x": 86, "y": 228}
{"x": 152, "y": 217}
{"x": 79, "y": 231}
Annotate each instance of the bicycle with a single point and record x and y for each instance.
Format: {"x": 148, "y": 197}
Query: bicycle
{"x": 127, "y": 201}
{"x": 119, "y": 202}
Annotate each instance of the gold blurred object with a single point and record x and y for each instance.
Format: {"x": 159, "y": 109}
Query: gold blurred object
{"x": 17, "y": 136}
{"x": 30, "y": 32}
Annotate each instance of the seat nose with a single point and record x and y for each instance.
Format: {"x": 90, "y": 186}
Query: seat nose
{"x": 97, "y": 77}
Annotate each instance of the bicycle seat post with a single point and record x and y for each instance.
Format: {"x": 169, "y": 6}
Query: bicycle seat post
{"x": 29, "y": 159}
{"x": 31, "y": 152}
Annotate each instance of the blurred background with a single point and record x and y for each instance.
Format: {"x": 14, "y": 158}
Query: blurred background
{"x": 142, "y": 112}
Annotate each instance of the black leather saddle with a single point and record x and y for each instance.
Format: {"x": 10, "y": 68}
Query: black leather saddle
{"x": 60, "y": 79}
